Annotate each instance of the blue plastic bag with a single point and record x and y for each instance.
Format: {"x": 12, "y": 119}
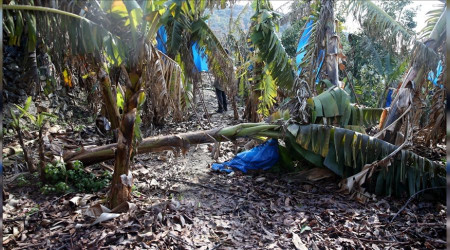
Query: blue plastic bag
{"x": 261, "y": 157}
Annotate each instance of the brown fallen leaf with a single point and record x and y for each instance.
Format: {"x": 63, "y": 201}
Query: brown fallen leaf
{"x": 104, "y": 217}
{"x": 96, "y": 210}
{"x": 124, "y": 207}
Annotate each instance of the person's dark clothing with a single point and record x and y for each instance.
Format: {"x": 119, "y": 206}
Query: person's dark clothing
{"x": 221, "y": 97}
{"x": 222, "y": 100}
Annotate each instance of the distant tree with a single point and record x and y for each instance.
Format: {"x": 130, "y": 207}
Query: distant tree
{"x": 291, "y": 36}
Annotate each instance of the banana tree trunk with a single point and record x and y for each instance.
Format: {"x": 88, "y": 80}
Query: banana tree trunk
{"x": 94, "y": 155}
{"x": 417, "y": 74}
{"x": 332, "y": 45}
{"x": 234, "y": 86}
{"x": 120, "y": 185}
{"x": 109, "y": 99}
{"x": 122, "y": 181}
{"x": 234, "y": 105}
{"x": 251, "y": 106}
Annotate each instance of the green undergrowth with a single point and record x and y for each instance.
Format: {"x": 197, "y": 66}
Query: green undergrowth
{"x": 62, "y": 180}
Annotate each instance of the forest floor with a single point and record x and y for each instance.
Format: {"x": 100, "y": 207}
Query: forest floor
{"x": 180, "y": 203}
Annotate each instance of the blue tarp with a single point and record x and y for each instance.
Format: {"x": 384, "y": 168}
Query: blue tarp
{"x": 302, "y": 44}
{"x": 321, "y": 59}
{"x": 261, "y": 157}
{"x": 301, "y": 50}
{"x": 161, "y": 39}
{"x": 389, "y": 98}
{"x": 434, "y": 77}
{"x": 200, "y": 59}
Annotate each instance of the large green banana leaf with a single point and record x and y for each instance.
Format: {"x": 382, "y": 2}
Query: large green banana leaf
{"x": 334, "y": 103}
{"x": 346, "y": 153}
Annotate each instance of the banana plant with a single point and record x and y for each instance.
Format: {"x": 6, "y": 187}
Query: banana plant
{"x": 118, "y": 34}
{"x": 18, "y": 128}
{"x": 271, "y": 51}
{"x": 424, "y": 56}
{"x": 186, "y": 25}
{"x": 38, "y": 121}
{"x": 268, "y": 57}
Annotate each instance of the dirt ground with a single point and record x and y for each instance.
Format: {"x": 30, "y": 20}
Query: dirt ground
{"x": 180, "y": 203}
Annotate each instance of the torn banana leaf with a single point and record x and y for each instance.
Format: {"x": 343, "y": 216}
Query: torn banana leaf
{"x": 346, "y": 152}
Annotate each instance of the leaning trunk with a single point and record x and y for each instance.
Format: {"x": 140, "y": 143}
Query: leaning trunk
{"x": 417, "y": 74}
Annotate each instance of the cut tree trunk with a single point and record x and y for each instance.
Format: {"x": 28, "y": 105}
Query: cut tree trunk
{"x": 320, "y": 145}
{"x": 99, "y": 154}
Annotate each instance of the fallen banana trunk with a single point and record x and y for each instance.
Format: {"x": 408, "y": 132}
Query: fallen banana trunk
{"x": 343, "y": 151}
{"x": 92, "y": 155}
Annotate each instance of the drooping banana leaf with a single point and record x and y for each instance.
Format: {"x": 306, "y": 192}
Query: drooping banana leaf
{"x": 347, "y": 153}
{"x": 334, "y": 103}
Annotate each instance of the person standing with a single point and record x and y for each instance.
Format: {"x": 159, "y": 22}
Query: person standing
{"x": 221, "y": 97}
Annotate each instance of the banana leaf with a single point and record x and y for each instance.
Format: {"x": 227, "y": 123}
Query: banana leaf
{"x": 335, "y": 103}
{"x": 346, "y": 153}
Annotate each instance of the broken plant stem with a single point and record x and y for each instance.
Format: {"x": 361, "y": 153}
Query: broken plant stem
{"x": 393, "y": 124}
{"x": 387, "y": 158}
